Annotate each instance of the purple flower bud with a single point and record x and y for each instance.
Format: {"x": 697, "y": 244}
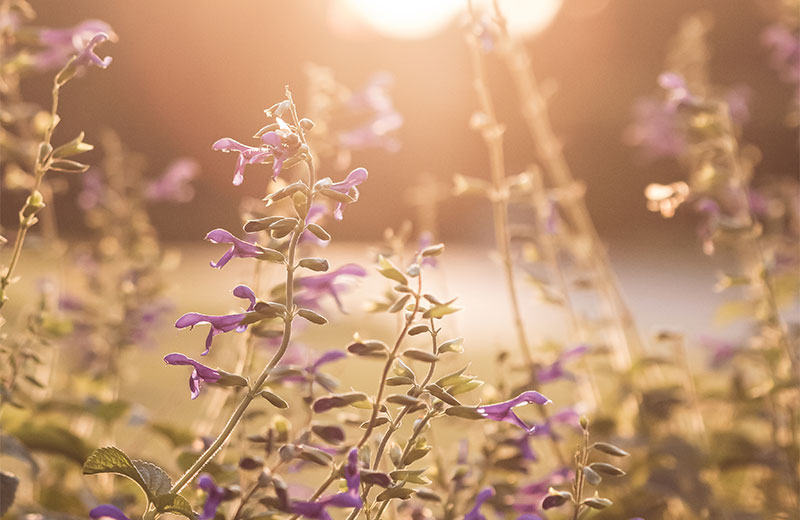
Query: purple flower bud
{"x": 317, "y": 510}
{"x": 107, "y": 511}
{"x": 239, "y": 248}
{"x": 200, "y": 372}
{"x": 504, "y": 411}
{"x": 374, "y": 107}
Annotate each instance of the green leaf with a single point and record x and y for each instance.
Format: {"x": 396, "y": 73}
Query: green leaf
{"x": 412, "y": 476}
{"x": 439, "y": 311}
{"x": 388, "y": 270}
{"x": 597, "y": 502}
{"x": 113, "y": 460}
{"x": 173, "y": 503}
{"x": 452, "y": 345}
{"x": 591, "y": 476}
{"x": 398, "y": 492}
{"x": 606, "y": 469}
{"x": 315, "y": 264}
{"x": 610, "y": 449}
{"x": 420, "y": 355}
{"x": 8, "y": 491}
{"x": 156, "y": 479}
{"x": 274, "y": 400}
{"x": 73, "y": 147}
{"x": 313, "y": 317}
{"x": 319, "y": 232}
{"x": 68, "y": 165}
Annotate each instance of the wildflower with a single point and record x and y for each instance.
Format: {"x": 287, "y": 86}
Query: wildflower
{"x": 107, "y": 511}
{"x": 200, "y": 372}
{"x": 565, "y": 416}
{"x": 62, "y": 44}
{"x": 214, "y": 496}
{"x": 677, "y": 90}
{"x": 350, "y": 498}
{"x": 483, "y": 496}
{"x": 312, "y": 368}
{"x": 375, "y": 107}
{"x": 348, "y": 187}
{"x": 655, "y": 130}
{"x": 504, "y": 411}
{"x": 220, "y": 324}
{"x": 247, "y": 155}
{"x": 722, "y": 351}
{"x": 282, "y": 144}
{"x": 174, "y": 185}
{"x": 93, "y": 189}
{"x": 556, "y": 369}
{"x": 329, "y": 283}
{"x": 239, "y": 248}
{"x": 785, "y": 51}
{"x": 529, "y": 496}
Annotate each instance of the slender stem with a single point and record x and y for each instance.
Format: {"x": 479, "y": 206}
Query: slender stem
{"x": 287, "y": 332}
{"x": 39, "y": 171}
{"x": 388, "y": 365}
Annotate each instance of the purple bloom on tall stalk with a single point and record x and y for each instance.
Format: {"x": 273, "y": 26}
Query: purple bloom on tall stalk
{"x": 247, "y": 155}
{"x": 214, "y": 496}
{"x": 62, "y": 44}
{"x": 200, "y": 372}
{"x": 314, "y": 287}
{"x": 107, "y": 511}
{"x": 239, "y": 248}
{"x": 556, "y": 370}
{"x": 318, "y": 510}
{"x": 475, "y": 512}
{"x": 348, "y": 187}
{"x": 374, "y": 105}
{"x": 504, "y": 412}
{"x": 174, "y": 184}
{"x": 220, "y": 324}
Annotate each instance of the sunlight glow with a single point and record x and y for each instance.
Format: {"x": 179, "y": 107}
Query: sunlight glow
{"x": 424, "y": 18}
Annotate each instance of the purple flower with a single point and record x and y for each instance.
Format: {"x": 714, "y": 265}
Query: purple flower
{"x": 556, "y": 369}
{"x": 239, "y": 248}
{"x": 314, "y": 215}
{"x": 426, "y": 239}
{"x": 214, "y": 496}
{"x": 564, "y": 416}
{"x": 93, "y": 189}
{"x": 350, "y": 498}
{"x": 200, "y": 372}
{"x": 504, "y": 411}
{"x": 738, "y": 100}
{"x": 88, "y": 57}
{"x": 483, "y": 496}
{"x": 529, "y": 496}
{"x": 282, "y": 144}
{"x": 107, "y": 511}
{"x": 348, "y": 187}
{"x": 312, "y": 368}
{"x": 220, "y": 324}
{"x": 722, "y": 351}
{"x": 61, "y": 44}
{"x": 677, "y": 90}
{"x": 173, "y": 185}
{"x": 247, "y": 155}
{"x": 655, "y": 130}
{"x": 314, "y": 287}
{"x": 785, "y": 51}
{"x": 374, "y": 107}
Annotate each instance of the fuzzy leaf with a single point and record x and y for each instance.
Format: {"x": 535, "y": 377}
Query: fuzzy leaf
{"x": 175, "y": 504}
{"x": 113, "y": 460}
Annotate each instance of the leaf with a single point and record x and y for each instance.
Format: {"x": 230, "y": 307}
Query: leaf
{"x": 323, "y": 404}
{"x": 421, "y": 355}
{"x": 73, "y": 147}
{"x": 413, "y": 476}
{"x": 597, "y": 502}
{"x": 319, "y": 232}
{"x": 8, "y": 491}
{"x": 68, "y": 166}
{"x": 464, "y": 412}
{"x": 610, "y": 449}
{"x": 439, "y": 311}
{"x": 314, "y": 264}
{"x": 156, "y": 479}
{"x": 399, "y": 492}
{"x": 404, "y": 400}
{"x": 388, "y": 270}
{"x": 274, "y": 400}
{"x": 113, "y": 460}
{"x": 312, "y": 316}
{"x": 442, "y": 394}
{"x": 591, "y": 476}
{"x": 606, "y": 469}
{"x": 173, "y": 503}
{"x": 452, "y": 345}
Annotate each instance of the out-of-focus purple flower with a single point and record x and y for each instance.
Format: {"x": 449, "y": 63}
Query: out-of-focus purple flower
{"x": 374, "y": 107}
{"x": 738, "y": 100}
{"x": 523, "y": 443}
{"x": 529, "y": 496}
{"x": 93, "y": 189}
{"x": 677, "y": 90}
{"x": 314, "y": 287}
{"x": 566, "y": 416}
{"x": 312, "y": 368}
{"x": 200, "y": 372}
{"x": 142, "y": 319}
{"x": 722, "y": 351}
{"x": 239, "y": 248}
{"x": 214, "y": 496}
{"x": 529, "y": 516}
{"x": 709, "y": 222}
{"x": 61, "y": 44}
{"x": 220, "y": 324}
{"x": 504, "y": 411}
{"x": 174, "y": 184}
{"x": 556, "y": 369}
{"x": 107, "y": 511}
{"x": 348, "y": 187}
{"x": 655, "y": 130}
{"x": 475, "y": 512}
{"x": 318, "y": 510}
{"x": 247, "y": 155}
{"x": 785, "y": 51}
